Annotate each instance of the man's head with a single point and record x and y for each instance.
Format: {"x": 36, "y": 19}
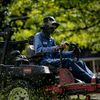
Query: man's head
{"x": 49, "y": 24}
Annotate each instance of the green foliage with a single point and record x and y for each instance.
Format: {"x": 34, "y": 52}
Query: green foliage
{"x": 79, "y": 19}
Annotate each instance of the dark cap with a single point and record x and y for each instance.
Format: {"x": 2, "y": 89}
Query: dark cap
{"x": 50, "y": 22}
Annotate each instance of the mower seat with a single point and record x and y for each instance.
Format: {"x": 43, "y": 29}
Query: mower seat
{"x": 34, "y": 58}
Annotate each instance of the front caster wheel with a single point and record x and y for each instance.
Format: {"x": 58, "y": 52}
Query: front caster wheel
{"x": 19, "y": 93}
{"x": 17, "y": 90}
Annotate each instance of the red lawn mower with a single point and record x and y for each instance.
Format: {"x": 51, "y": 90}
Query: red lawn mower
{"x": 24, "y": 79}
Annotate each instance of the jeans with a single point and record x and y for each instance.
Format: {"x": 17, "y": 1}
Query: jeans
{"x": 78, "y": 68}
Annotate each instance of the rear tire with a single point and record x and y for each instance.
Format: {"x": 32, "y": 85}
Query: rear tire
{"x": 19, "y": 93}
{"x": 19, "y": 90}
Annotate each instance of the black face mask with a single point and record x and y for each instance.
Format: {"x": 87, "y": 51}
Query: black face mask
{"x": 48, "y": 31}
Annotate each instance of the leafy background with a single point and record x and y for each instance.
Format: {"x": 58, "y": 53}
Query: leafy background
{"x": 79, "y": 19}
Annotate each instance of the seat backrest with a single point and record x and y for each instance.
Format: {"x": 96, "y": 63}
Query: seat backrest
{"x": 30, "y": 51}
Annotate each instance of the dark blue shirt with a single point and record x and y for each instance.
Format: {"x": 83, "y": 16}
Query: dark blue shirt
{"x": 48, "y": 47}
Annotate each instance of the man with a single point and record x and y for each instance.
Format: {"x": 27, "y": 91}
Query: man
{"x": 44, "y": 43}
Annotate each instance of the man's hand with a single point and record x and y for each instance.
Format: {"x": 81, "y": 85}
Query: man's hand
{"x": 63, "y": 45}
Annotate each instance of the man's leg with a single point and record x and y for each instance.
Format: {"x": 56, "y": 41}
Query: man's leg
{"x": 53, "y": 62}
{"x": 77, "y": 71}
{"x": 84, "y": 67}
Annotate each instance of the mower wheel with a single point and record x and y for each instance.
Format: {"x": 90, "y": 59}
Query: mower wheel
{"x": 19, "y": 90}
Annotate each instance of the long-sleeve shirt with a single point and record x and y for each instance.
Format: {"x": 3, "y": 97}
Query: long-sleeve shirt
{"x": 48, "y": 47}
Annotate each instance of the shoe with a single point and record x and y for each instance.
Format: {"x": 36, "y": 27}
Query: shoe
{"x": 97, "y": 80}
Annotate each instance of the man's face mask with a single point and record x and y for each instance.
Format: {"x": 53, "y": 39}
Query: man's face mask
{"x": 51, "y": 29}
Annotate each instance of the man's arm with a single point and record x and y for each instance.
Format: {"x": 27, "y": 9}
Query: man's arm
{"x": 39, "y": 46}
